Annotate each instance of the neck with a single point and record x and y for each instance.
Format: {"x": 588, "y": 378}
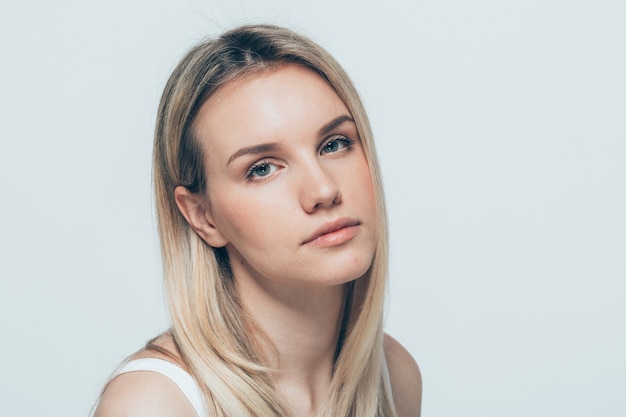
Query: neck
{"x": 299, "y": 330}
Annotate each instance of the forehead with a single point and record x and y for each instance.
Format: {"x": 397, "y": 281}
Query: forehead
{"x": 288, "y": 101}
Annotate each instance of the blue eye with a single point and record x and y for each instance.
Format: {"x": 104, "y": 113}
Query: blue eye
{"x": 260, "y": 170}
{"x": 337, "y": 144}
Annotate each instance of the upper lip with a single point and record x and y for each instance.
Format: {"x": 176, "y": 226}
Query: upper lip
{"x": 330, "y": 227}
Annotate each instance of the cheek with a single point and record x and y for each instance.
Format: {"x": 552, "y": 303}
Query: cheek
{"x": 366, "y": 189}
{"x": 232, "y": 218}
{"x": 226, "y": 212}
{"x": 248, "y": 218}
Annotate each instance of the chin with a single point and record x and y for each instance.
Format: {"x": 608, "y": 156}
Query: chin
{"x": 351, "y": 270}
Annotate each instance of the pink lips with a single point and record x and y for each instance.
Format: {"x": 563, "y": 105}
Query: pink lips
{"x": 334, "y": 233}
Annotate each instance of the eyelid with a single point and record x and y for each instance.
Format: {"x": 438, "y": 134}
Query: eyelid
{"x": 347, "y": 141}
{"x": 265, "y": 161}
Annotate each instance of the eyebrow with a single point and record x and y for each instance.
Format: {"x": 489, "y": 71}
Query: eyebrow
{"x": 271, "y": 147}
{"x": 333, "y": 124}
{"x": 253, "y": 150}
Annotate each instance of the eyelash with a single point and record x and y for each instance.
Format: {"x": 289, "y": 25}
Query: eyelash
{"x": 345, "y": 141}
{"x": 249, "y": 173}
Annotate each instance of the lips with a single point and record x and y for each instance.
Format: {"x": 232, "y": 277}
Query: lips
{"x": 334, "y": 232}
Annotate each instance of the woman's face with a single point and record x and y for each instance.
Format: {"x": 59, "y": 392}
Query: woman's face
{"x": 289, "y": 192}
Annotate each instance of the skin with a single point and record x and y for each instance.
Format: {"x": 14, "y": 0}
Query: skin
{"x": 313, "y": 177}
{"x": 289, "y": 195}
{"x": 148, "y": 394}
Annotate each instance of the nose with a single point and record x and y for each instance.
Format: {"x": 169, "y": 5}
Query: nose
{"x": 319, "y": 189}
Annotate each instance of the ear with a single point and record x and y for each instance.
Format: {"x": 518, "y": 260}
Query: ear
{"x": 194, "y": 210}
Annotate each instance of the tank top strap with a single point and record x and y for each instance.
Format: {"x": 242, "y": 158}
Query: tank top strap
{"x": 180, "y": 377}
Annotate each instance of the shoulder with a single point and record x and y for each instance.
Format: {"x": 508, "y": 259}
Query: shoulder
{"x": 141, "y": 392}
{"x": 406, "y": 379}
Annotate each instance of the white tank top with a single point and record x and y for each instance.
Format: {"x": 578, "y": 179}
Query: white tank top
{"x": 181, "y": 378}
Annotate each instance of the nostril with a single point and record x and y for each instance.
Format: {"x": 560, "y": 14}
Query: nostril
{"x": 319, "y": 190}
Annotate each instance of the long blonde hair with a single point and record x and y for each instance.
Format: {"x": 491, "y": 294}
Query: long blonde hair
{"x": 208, "y": 324}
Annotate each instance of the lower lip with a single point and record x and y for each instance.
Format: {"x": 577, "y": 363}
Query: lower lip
{"x": 336, "y": 238}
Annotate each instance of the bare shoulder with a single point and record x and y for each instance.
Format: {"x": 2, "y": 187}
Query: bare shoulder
{"x": 146, "y": 393}
{"x": 143, "y": 393}
{"x": 406, "y": 379}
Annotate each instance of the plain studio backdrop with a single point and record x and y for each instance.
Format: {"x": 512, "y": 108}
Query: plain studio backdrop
{"x": 501, "y": 128}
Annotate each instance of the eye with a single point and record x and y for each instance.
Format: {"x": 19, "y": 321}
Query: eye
{"x": 339, "y": 143}
{"x": 260, "y": 170}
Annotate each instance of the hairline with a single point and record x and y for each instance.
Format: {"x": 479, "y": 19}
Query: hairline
{"x": 265, "y": 66}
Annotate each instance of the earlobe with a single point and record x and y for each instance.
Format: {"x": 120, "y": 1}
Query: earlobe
{"x": 194, "y": 210}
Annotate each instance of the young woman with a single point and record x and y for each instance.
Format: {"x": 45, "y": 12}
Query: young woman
{"x": 274, "y": 240}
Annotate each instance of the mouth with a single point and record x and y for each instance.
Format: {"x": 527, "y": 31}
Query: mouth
{"x": 334, "y": 233}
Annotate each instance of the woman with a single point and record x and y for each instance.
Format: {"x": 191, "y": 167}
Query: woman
{"x": 274, "y": 241}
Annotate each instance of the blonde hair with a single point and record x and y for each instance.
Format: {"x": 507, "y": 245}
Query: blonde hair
{"x": 208, "y": 324}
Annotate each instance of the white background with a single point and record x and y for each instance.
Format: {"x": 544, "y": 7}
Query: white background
{"x": 501, "y": 127}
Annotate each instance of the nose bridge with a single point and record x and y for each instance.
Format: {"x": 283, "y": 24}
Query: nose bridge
{"x": 318, "y": 186}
